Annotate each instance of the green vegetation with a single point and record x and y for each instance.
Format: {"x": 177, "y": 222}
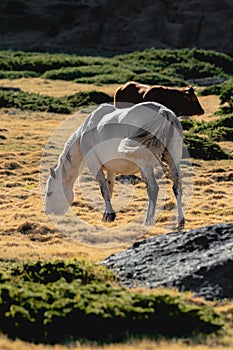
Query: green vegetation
{"x": 13, "y": 74}
{"x": 197, "y": 145}
{"x": 165, "y": 67}
{"x": 200, "y": 137}
{"x": 217, "y": 130}
{"x": 202, "y": 148}
{"x": 52, "y": 301}
{"x": 37, "y": 102}
{"x": 225, "y": 92}
{"x": 226, "y": 97}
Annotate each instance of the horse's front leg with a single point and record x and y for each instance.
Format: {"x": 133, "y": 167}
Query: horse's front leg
{"x": 152, "y": 191}
{"x": 109, "y": 214}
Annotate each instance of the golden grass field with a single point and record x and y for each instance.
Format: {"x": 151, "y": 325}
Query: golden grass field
{"x": 27, "y": 233}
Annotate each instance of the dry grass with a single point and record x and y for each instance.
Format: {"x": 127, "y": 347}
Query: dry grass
{"x": 5, "y": 344}
{"x": 27, "y": 233}
{"x": 56, "y": 88}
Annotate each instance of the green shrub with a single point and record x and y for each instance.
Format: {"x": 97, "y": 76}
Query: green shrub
{"x": 86, "y": 98}
{"x": 226, "y": 121}
{"x": 219, "y": 59}
{"x": 36, "y": 102}
{"x": 202, "y": 148}
{"x": 45, "y": 272}
{"x": 17, "y": 74}
{"x": 33, "y": 102}
{"x": 52, "y": 301}
{"x": 217, "y": 130}
{"x": 188, "y": 124}
{"x": 152, "y": 66}
{"x": 37, "y": 62}
{"x": 226, "y": 96}
{"x": 91, "y": 74}
{"x": 159, "y": 79}
{"x": 192, "y": 70}
{"x": 221, "y": 133}
{"x": 211, "y": 90}
{"x": 67, "y": 73}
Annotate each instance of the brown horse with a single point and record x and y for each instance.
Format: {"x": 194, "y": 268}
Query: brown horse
{"x": 183, "y": 102}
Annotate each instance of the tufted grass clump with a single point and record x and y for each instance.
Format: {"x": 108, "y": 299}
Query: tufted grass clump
{"x": 52, "y": 301}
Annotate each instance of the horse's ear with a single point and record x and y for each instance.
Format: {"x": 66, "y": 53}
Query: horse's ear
{"x": 187, "y": 90}
{"x": 52, "y": 173}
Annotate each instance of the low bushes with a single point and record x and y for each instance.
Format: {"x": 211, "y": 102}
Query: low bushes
{"x": 192, "y": 70}
{"x": 50, "y": 301}
{"x": 202, "y": 148}
{"x": 226, "y": 97}
{"x": 159, "y": 79}
{"x": 36, "y": 102}
{"x": 225, "y": 92}
{"x": 217, "y": 130}
{"x": 174, "y": 67}
{"x": 13, "y": 74}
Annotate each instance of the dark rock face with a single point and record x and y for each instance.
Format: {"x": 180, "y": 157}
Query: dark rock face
{"x": 106, "y": 27}
{"x": 199, "y": 260}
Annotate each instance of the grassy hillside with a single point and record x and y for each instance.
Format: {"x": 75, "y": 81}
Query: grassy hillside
{"x": 43, "y": 288}
{"x": 166, "y": 67}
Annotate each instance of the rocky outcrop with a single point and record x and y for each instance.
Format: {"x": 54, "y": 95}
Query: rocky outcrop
{"x": 107, "y": 27}
{"x": 199, "y": 260}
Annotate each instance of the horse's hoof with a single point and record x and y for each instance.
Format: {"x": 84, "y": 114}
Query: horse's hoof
{"x": 104, "y": 217}
{"x": 148, "y": 222}
{"x": 111, "y": 217}
{"x": 108, "y": 217}
{"x": 181, "y": 225}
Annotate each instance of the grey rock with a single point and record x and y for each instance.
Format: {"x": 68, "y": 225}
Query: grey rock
{"x": 199, "y": 260}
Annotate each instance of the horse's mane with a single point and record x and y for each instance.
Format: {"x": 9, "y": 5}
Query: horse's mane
{"x": 67, "y": 150}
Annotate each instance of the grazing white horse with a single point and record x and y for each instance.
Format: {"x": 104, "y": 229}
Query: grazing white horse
{"x": 122, "y": 141}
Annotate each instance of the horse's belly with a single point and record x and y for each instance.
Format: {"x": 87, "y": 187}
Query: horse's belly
{"x": 121, "y": 166}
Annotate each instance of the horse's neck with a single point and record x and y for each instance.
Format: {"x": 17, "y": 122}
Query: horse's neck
{"x": 69, "y": 165}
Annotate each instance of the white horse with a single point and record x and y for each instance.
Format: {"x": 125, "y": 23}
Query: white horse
{"x": 122, "y": 141}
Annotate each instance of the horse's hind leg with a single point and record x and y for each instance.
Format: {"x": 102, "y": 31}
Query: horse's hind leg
{"x": 177, "y": 189}
{"x": 152, "y": 191}
{"x": 110, "y": 182}
{"x": 109, "y": 214}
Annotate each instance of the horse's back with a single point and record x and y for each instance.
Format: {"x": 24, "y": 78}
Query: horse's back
{"x": 142, "y": 115}
{"x": 129, "y": 94}
{"x": 96, "y": 116}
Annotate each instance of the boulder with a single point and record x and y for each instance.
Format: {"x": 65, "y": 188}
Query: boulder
{"x": 199, "y": 260}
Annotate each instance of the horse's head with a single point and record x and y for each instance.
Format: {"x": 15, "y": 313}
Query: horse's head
{"x": 59, "y": 194}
